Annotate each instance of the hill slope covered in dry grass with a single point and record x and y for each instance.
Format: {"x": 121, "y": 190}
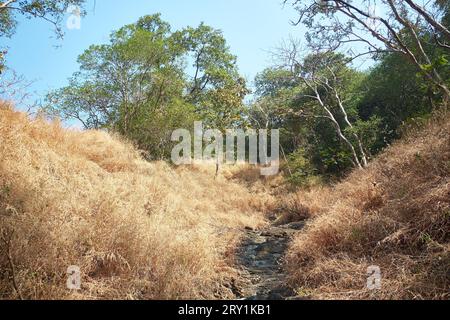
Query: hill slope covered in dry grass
{"x": 394, "y": 215}
{"x": 137, "y": 230}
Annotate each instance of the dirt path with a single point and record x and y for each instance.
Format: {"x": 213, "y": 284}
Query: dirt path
{"x": 260, "y": 256}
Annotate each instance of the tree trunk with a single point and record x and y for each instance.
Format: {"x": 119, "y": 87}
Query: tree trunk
{"x": 339, "y": 131}
{"x": 347, "y": 121}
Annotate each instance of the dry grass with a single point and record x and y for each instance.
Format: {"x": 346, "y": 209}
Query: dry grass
{"x": 395, "y": 214}
{"x": 142, "y": 230}
{"x": 137, "y": 230}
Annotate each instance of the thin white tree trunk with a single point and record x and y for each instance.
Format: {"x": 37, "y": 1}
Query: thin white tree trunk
{"x": 339, "y": 130}
{"x": 347, "y": 121}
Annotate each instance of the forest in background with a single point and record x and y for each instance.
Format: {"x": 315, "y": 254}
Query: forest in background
{"x": 150, "y": 80}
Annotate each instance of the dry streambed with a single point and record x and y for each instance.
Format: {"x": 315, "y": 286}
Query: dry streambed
{"x": 260, "y": 256}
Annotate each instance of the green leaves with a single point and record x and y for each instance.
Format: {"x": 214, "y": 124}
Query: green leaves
{"x": 440, "y": 61}
{"x": 214, "y": 85}
{"x": 7, "y": 23}
{"x": 138, "y": 84}
{"x": 301, "y": 169}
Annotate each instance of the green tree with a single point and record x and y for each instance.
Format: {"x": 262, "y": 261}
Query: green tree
{"x": 214, "y": 84}
{"x": 140, "y": 86}
{"x": 131, "y": 85}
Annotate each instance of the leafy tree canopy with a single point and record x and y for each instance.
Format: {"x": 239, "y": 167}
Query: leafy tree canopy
{"x": 149, "y": 80}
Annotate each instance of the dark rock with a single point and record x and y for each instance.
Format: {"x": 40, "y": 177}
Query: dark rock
{"x": 260, "y": 255}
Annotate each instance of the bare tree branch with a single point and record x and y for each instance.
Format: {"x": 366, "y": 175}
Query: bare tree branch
{"x": 388, "y": 33}
{"x": 438, "y": 26}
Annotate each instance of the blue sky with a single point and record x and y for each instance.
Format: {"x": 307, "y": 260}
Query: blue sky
{"x": 252, "y": 28}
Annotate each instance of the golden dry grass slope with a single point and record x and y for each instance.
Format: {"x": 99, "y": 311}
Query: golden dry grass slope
{"x": 395, "y": 215}
{"x": 137, "y": 230}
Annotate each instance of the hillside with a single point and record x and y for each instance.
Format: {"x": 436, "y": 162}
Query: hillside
{"x": 394, "y": 215}
{"x": 137, "y": 230}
